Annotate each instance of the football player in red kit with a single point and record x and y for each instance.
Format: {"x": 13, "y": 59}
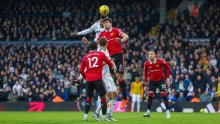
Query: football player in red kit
{"x": 115, "y": 38}
{"x": 93, "y": 63}
{"x": 155, "y": 78}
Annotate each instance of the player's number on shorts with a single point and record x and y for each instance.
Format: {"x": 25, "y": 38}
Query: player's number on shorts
{"x": 93, "y": 62}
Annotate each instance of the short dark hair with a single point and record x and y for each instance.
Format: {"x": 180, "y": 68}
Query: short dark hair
{"x": 152, "y": 50}
{"x": 93, "y": 46}
{"x": 103, "y": 16}
{"x": 107, "y": 18}
{"x": 102, "y": 41}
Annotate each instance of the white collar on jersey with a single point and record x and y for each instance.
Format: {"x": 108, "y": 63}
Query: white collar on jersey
{"x": 110, "y": 30}
{"x": 155, "y": 60}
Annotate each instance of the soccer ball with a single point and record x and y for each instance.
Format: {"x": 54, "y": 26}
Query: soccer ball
{"x": 202, "y": 110}
{"x": 104, "y": 10}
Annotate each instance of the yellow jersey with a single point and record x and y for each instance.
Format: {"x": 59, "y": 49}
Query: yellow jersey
{"x": 137, "y": 88}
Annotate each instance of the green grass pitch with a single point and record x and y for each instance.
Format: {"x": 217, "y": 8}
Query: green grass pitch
{"x": 123, "y": 118}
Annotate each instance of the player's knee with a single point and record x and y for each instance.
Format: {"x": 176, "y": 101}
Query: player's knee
{"x": 110, "y": 95}
{"x": 115, "y": 94}
{"x": 88, "y": 101}
{"x": 119, "y": 76}
{"x": 163, "y": 94}
{"x": 150, "y": 93}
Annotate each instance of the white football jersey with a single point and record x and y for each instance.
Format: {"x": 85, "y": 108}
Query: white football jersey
{"x": 97, "y": 28}
{"x": 105, "y": 69}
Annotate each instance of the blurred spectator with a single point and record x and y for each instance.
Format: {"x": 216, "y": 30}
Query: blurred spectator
{"x": 181, "y": 97}
{"x": 205, "y": 97}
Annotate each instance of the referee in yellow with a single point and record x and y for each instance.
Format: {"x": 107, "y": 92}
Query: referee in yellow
{"x": 136, "y": 92}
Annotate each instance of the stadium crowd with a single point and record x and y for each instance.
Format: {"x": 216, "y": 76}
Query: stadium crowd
{"x": 42, "y": 72}
{"x": 54, "y": 20}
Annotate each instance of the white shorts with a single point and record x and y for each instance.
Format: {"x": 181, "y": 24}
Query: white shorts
{"x": 109, "y": 83}
{"x": 136, "y": 98}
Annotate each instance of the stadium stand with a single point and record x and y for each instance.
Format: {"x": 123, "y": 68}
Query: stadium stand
{"x": 31, "y": 72}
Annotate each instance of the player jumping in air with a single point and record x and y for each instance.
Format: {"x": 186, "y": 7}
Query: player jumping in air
{"x": 155, "y": 78}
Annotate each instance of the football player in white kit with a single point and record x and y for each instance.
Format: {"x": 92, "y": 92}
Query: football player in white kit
{"x": 108, "y": 82}
{"x": 97, "y": 27}
{"x": 107, "y": 79}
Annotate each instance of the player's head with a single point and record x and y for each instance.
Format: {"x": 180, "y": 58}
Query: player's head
{"x": 103, "y": 42}
{"x": 151, "y": 54}
{"x": 137, "y": 78}
{"x": 107, "y": 22}
{"x": 101, "y": 20}
{"x": 93, "y": 46}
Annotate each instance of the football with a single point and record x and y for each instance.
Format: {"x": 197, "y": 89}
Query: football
{"x": 104, "y": 10}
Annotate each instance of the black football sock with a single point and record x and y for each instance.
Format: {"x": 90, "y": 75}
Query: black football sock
{"x": 123, "y": 89}
{"x": 149, "y": 102}
{"x": 87, "y": 107}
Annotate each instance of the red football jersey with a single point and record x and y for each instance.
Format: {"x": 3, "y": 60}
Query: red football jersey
{"x": 155, "y": 70}
{"x": 114, "y": 47}
{"x": 93, "y": 62}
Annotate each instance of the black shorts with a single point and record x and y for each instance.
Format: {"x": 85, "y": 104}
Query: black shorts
{"x": 119, "y": 62}
{"x": 97, "y": 85}
{"x": 157, "y": 84}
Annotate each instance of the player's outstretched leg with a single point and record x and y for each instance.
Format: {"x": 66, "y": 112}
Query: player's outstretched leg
{"x": 164, "y": 96}
{"x": 149, "y": 103}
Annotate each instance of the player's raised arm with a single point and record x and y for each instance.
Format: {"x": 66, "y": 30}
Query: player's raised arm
{"x": 124, "y": 36}
{"x": 83, "y": 32}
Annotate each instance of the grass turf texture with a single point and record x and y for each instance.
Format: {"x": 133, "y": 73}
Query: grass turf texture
{"x": 123, "y": 118}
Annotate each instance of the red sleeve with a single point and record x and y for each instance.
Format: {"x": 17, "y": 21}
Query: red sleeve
{"x": 119, "y": 31}
{"x": 167, "y": 66}
{"x": 106, "y": 60}
{"x": 146, "y": 72}
{"x": 82, "y": 68}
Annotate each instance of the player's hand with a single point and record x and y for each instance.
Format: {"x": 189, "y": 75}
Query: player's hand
{"x": 74, "y": 34}
{"x": 114, "y": 68}
{"x": 168, "y": 82}
{"x": 118, "y": 40}
{"x": 85, "y": 41}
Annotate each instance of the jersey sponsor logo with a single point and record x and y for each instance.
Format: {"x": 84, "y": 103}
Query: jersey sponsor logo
{"x": 111, "y": 34}
{"x": 157, "y": 65}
